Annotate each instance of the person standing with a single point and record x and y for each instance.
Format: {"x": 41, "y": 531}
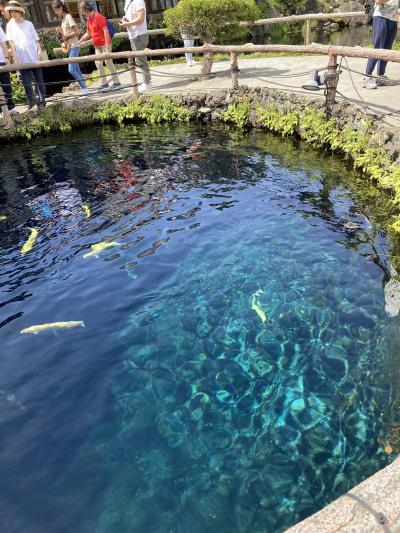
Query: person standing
{"x": 5, "y": 80}
{"x": 136, "y": 24}
{"x": 4, "y": 15}
{"x": 97, "y": 30}
{"x": 188, "y": 42}
{"x": 69, "y": 34}
{"x": 384, "y": 25}
{"x": 26, "y": 48}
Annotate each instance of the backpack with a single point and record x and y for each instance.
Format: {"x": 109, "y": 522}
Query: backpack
{"x": 110, "y": 27}
{"x": 369, "y": 6}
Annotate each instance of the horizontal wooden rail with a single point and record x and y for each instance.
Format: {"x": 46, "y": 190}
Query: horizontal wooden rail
{"x": 309, "y": 16}
{"x": 346, "y": 51}
{"x": 261, "y": 22}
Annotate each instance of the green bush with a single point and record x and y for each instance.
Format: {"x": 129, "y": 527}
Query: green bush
{"x": 211, "y": 20}
{"x": 18, "y": 92}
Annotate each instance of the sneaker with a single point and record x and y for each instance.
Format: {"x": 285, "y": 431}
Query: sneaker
{"x": 104, "y": 88}
{"x": 145, "y": 87}
{"x": 382, "y": 80}
{"x": 192, "y": 63}
{"x": 370, "y": 83}
{"x": 85, "y": 92}
{"x": 14, "y": 111}
{"x": 115, "y": 87}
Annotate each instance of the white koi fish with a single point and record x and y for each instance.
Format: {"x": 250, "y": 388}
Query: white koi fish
{"x": 53, "y": 325}
{"x": 27, "y": 247}
{"x": 99, "y": 247}
{"x": 256, "y": 307}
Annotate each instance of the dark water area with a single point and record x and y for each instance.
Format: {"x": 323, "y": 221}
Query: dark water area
{"x": 235, "y": 371}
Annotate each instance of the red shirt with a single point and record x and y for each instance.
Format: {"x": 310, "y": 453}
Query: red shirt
{"x": 95, "y": 26}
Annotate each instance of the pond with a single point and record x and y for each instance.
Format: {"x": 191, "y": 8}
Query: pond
{"x": 236, "y": 368}
{"x": 347, "y": 36}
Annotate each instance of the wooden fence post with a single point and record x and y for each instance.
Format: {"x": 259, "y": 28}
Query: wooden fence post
{"x": 331, "y": 84}
{"x": 308, "y": 32}
{"x": 234, "y": 70}
{"x": 132, "y": 68}
{"x": 5, "y": 112}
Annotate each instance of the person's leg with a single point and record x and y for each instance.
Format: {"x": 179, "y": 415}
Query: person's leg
{"x": 380, "y": 29}
{"x": 100, "y": 67}
{"x": 38, "y": 75}
{"x": 188, "y": 43}
{"x": 137, "y": 44}
{"x": 73, "y": 68}
{"x": 5, "y": 82}
{"x": 390, "y": 36}
{"x": 112, "y": 69}
{"x": 26, "y": 76}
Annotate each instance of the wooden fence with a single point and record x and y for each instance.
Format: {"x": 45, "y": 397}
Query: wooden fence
{"x": 308, "y": 19}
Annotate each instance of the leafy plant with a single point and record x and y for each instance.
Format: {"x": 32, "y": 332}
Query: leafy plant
{"x": 238, "y": 113}
{"x": 18, "y": 92}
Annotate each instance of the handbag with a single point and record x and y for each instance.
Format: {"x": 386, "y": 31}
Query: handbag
{"x": 65, "y": 47}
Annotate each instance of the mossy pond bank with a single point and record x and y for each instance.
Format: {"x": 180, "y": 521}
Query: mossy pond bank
{"x": 238, "y": 368}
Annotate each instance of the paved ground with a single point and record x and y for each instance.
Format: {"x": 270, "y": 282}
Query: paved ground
{"x": 283, "y": 73}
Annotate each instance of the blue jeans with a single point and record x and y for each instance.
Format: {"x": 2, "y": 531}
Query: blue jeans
{"x": 188, "y": 43}
{"x": 27, "y": 76}
{"x": 385, "y": 31}
{"x": 74, "y": 69}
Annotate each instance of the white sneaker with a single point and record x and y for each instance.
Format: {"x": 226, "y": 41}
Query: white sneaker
{"x": 370, "y": 83}
{"x": 84, "y": 93}
{"x": 192, "y": 63}
{"x": 145, "y": 87}
{"x": 383, "y": 80}
{"x": 14, "y": 111}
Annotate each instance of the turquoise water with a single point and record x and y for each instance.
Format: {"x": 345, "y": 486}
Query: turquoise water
{"x": 233, "y": 372}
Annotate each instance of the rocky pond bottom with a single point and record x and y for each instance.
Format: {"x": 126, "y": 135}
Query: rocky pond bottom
{"x": 237, "y": 368}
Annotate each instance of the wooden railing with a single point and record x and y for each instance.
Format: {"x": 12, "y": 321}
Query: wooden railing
{"x": 308, "y": 19}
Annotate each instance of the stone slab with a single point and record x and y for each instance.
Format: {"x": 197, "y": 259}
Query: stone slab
{"x": 373, "y": 506}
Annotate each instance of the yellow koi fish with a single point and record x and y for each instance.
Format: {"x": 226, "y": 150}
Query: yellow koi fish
{"x": 53, "y": 325}
{"x": 2, "y": 217}
{"x": 27, "y": 247}
{"x": 86, "y": 210}
{"x": 99, "y": 247}
{"x": 256, "y": 307}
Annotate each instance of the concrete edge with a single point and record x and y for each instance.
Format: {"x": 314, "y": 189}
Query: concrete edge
{"x": 372, "y": 506}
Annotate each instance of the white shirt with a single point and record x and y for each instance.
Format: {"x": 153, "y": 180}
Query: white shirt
{"x": 25, "y": 38}
{"x": 390, "y": 10}
{"x": 131, "y": 12}
{"x": 3, "y": 40}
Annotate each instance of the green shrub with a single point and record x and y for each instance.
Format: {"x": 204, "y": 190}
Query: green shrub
{"x": 18, "y": 92}
{"x": 211, "y": 20}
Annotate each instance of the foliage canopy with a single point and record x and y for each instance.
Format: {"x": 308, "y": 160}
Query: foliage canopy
{"x": 211, "y": 20}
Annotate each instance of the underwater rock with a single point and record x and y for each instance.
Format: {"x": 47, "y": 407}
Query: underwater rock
{"x": 198, "y": 404}
{"x": 334, "y": 367}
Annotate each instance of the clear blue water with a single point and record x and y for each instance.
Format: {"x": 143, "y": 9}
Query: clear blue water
{"x": 181, "y": 407}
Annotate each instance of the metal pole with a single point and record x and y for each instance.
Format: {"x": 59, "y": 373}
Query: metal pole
{"x": 234, "y": 70}
{"x": 331, "y": 84}
{"x": 132, "y": 67}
